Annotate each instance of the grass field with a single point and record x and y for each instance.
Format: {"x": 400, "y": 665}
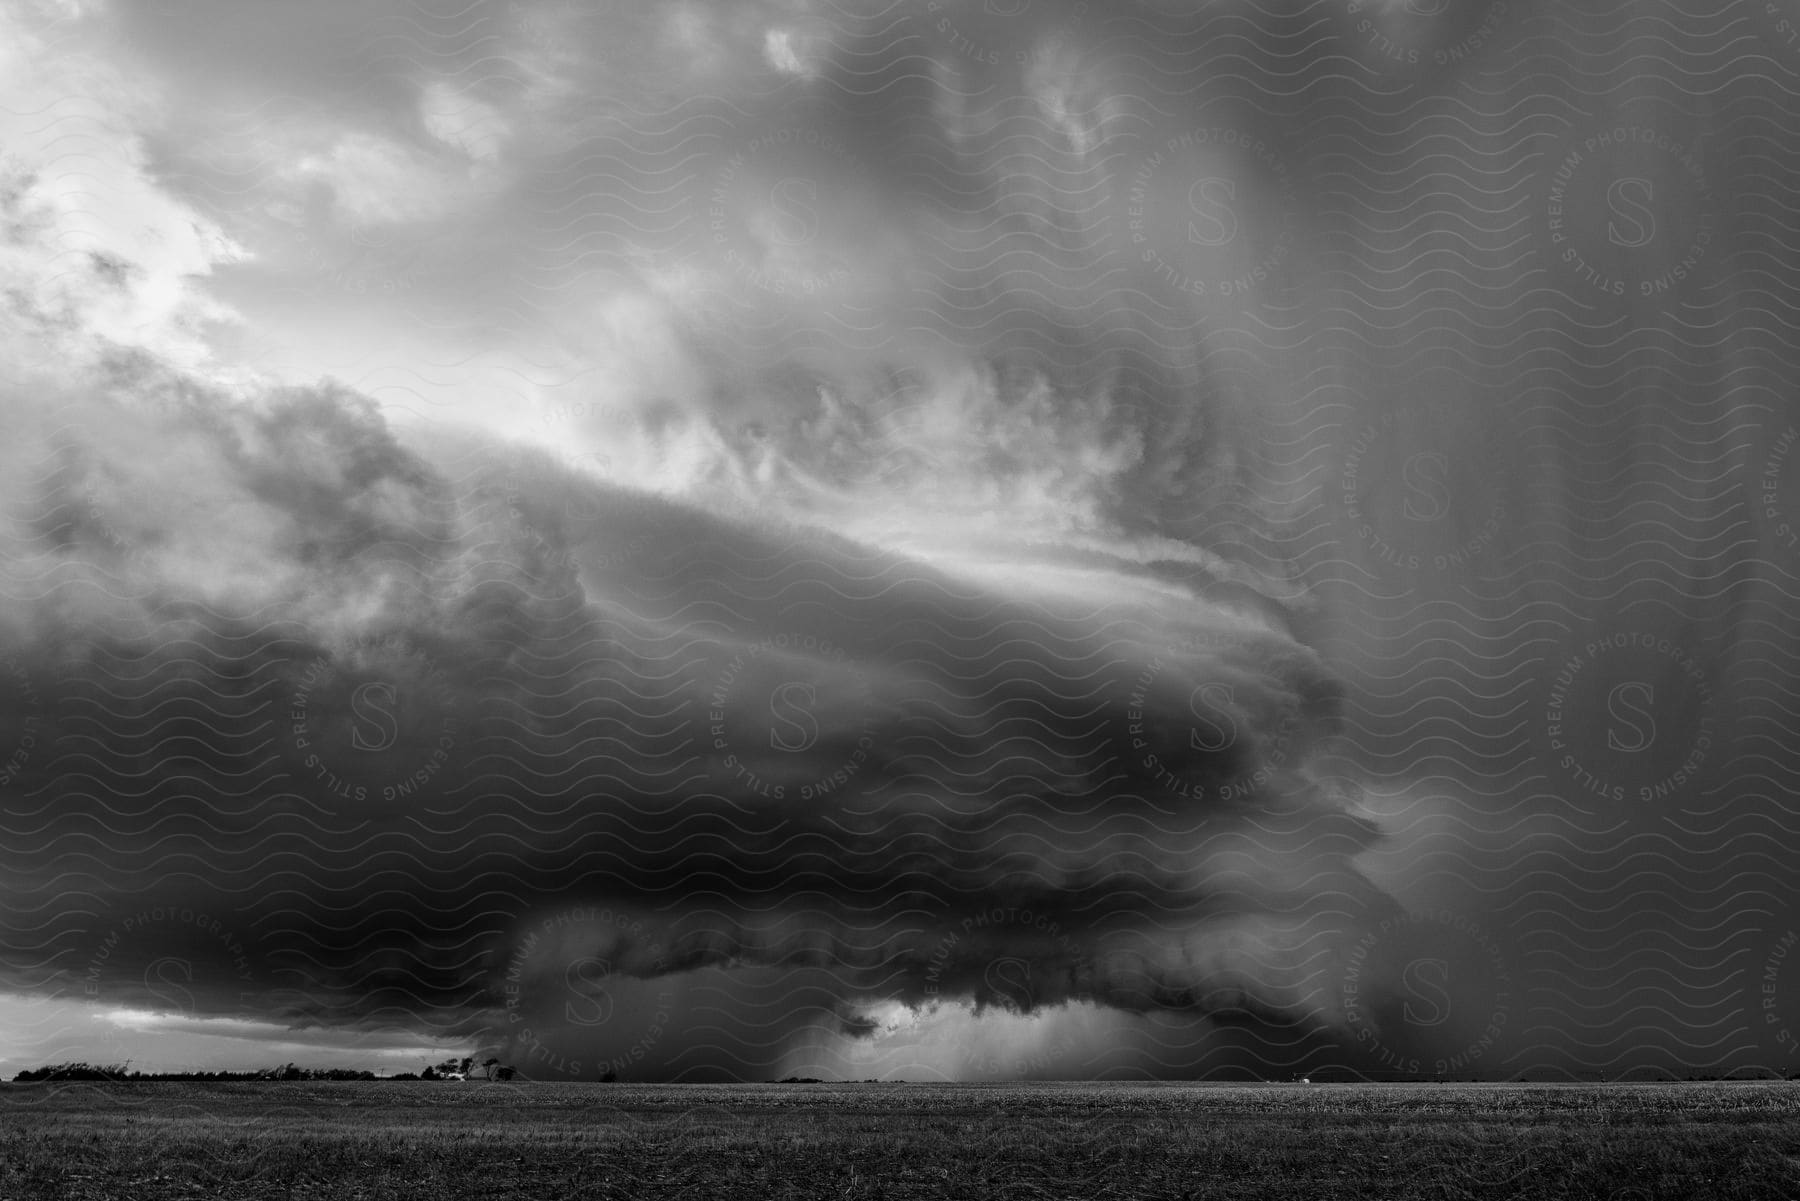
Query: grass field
{"x": 401, "y": 1140}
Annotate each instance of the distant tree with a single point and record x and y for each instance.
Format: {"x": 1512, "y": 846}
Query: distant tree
{"x": 503, "y": 1072}
{"x": 87, "y": 1071}
{"x": 451, "y": 1069}
{"x": 73, "y": 1070}
{"x": 611, "y": 1077}
{"x": 340, "y": 1074}
{"x": 488, "y": 1065}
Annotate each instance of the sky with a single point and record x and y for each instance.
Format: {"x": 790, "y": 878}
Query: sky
{"x": 901, "y": 539}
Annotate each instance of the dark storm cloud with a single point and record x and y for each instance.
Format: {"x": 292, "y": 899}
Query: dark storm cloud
{"x": 1096, "y": 455}
{"x": 338, "y": 755}
{"x": 467, "y": 741}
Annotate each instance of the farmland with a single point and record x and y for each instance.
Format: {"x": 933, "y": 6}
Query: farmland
{"x": 537, "y": 1140}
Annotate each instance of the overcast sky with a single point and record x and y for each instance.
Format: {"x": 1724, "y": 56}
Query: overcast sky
{"x": 943, "y": 539}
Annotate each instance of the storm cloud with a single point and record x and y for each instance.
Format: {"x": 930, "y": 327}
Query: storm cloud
{"x": 929, "y": 539}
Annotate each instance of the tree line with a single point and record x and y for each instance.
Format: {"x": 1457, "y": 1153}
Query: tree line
{"x": 449, "y": 1069}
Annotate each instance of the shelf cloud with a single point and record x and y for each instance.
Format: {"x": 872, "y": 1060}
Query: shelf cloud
{"x": 724, "y": 539}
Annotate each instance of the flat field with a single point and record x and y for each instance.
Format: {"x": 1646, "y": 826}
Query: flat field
{"x": 540, "y": 1140}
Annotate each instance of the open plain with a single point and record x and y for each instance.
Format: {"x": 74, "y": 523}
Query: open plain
{"x": 1630, "y": 1142}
